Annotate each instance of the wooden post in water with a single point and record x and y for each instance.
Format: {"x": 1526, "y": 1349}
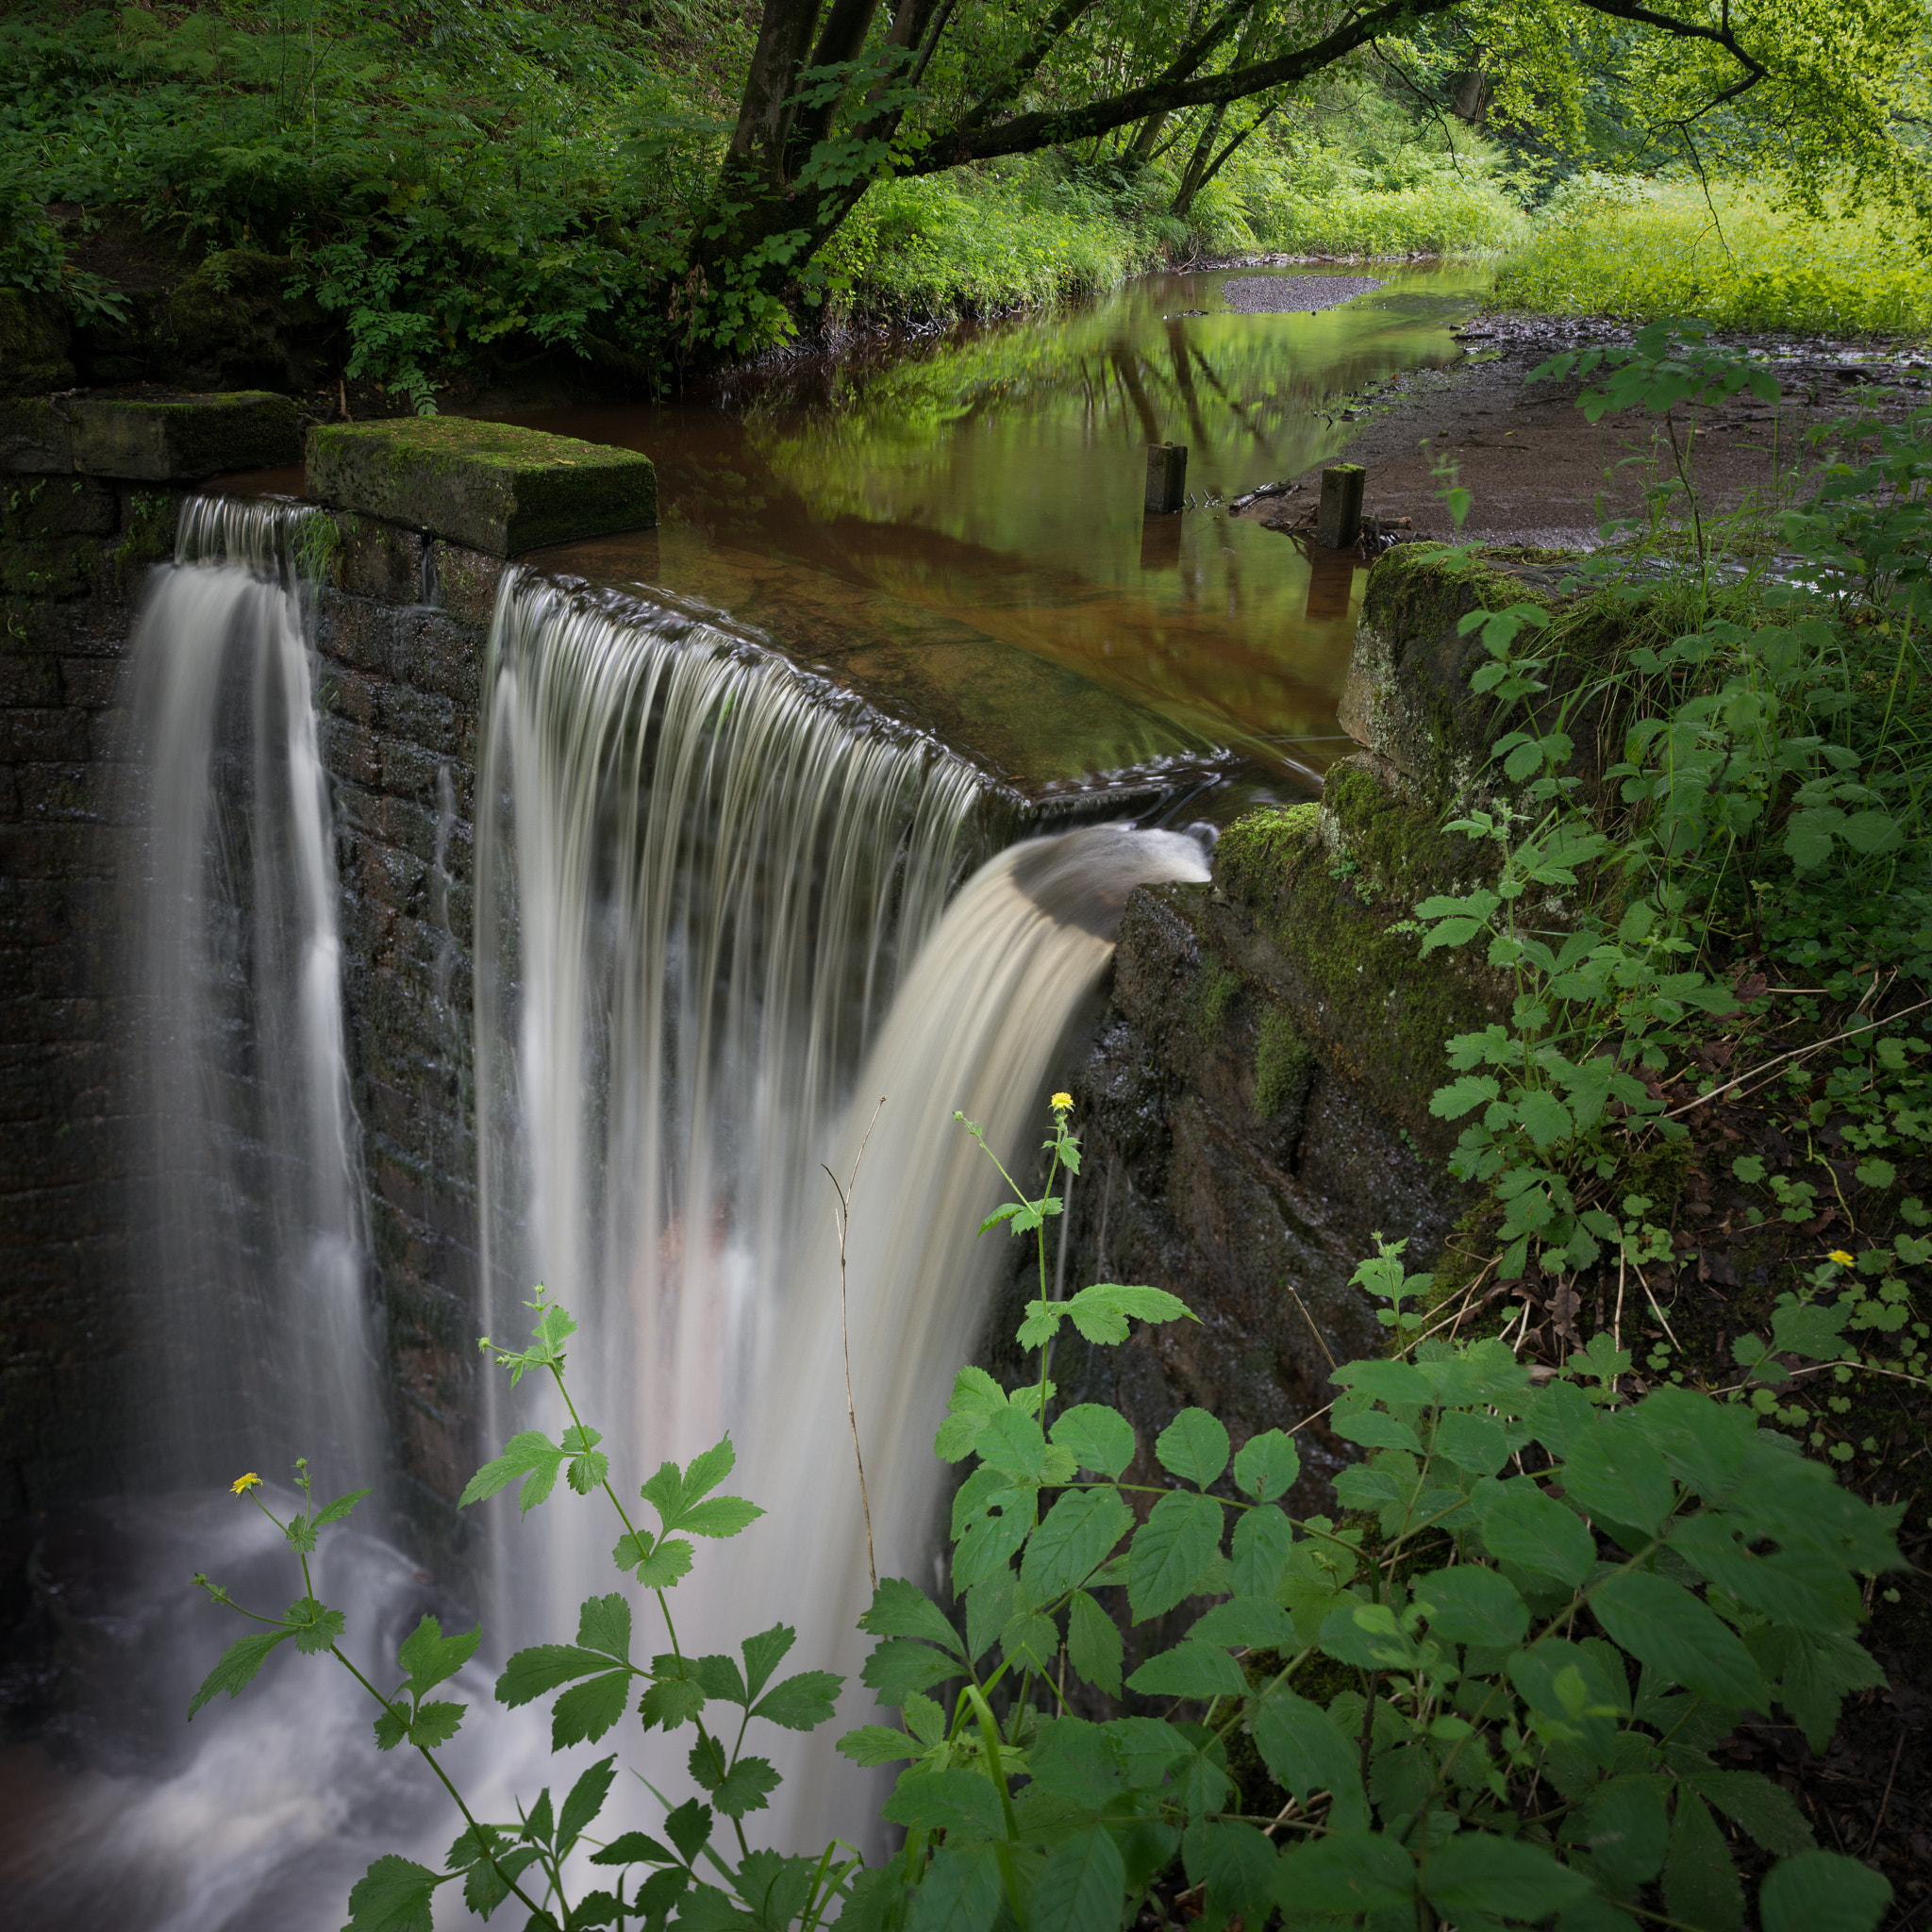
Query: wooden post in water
{"x": 1339, "y": 522}
{"x": 1167, "y": 476}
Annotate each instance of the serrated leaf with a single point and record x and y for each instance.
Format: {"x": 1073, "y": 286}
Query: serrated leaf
{"x": 800, "y": 1702}
{"x": 1259, "y": 1549}
{"x": 1170, "y": 1552}
{"x": 1477, "y": 1873}
{"x": 1077, "y": 1533}
{"x": 1093, "y": 1643}
{"x": 1374, "y": 1429}
{"x": 670, "y": 1702}
{"x": 1194, "y": 1446}
{"x": 587, "y": 1710}
{"x": 1544, "y": 1118}
{"x": 238, "y": 1665}
{"x": 875, "y": 1744}
{"x": 634, "y": 1848}
{"x": 1820, "y": 1891}
{"x": 1100, "y": 1313}
{"x": 431, "y": 1659}
{"x": 1096, "y": 1437}
{"x": 719, "y": 1516}
{"x": 434, "y": 1723}
{"x": 1011, "y": 1444}
{"x": 1612, "y": 1472}
{"x": 1247, "y": 1623}
{"x": 1346, "y": 1874}
{"x": 1701, "y": 1885}
{"x": 961, "y": 1892}
{"x": 1201, "y": 1671}
{"x": 604, "y": 1624}
{"x": 975, "y": 1397}
{"x": 1268, "y": 1466}
{"x": 1079, "y": 1887}
{"x": 530, "y": 1455}
{"x": 1306, "y": 1754}
{"x": 1522, "y": 1526}
{"x": 688, "y": 1827}
{"x": 585, "y": 1801}
{"x": 746, "y": 1787}
{"x": 313, "y": 1625}
{"x": 900, "y": 1609}
{"x": 1467, "y": 1604}
{"x": 1629, "y": 1829}
{"x": 1451, "y": 1102}
{"x": 393, "y": 1895}
{"x": 1474, "y": 1442}
{"x": 543, "y": 1667}
{"x": 950, "y": 1801}
{"x": 671, "y": 1559}
{"x": 899, "y": 1666}
{"x": 1661, "y": 1624}
{"x": 334, "y": 1512}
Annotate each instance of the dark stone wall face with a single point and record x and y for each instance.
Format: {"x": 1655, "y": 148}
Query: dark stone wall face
{"x": 402, "y": 624}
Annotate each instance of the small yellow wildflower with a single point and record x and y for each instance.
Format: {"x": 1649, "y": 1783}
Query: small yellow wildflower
{"x": 1838, "y": 1254}
{"x": 1061, "y": 1102}
{"x": 245, "y": 1483}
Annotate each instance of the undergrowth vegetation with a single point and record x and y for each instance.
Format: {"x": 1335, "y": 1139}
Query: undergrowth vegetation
{"x": 1606, "y": 245}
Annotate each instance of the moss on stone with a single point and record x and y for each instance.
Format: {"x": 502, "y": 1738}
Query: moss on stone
{"x": 1211, "y": 995}
{"x": 184, "y": 439}
{"x": 147, "y": 536}
{"x": 1284, "y": 1061}
{"x": 34, "y": 336}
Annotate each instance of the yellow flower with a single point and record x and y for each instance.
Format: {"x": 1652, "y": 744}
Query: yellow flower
{"x": 1061, "y": 1102}
{"x": 1838, "y": 1254}
{"x": 244, "y": 1483}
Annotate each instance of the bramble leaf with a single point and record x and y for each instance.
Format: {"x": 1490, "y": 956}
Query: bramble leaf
{"x": 1268, "y": 1466}
{"x": 1194, "y": 1446}
{"x": 1170, "y": 1553}
{"x": 1096, "y": 1437}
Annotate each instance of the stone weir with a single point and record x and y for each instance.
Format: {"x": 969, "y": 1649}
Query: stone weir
{"x": 422, "y": 516}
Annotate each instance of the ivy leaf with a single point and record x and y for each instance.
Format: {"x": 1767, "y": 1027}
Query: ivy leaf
{"x": 1194, "y": 1446}
{"x": 238, "y": 1666}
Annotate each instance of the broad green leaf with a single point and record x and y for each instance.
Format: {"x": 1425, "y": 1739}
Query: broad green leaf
{"x": 1079, "y": 1886}
{"x": 1788, "y": 1588}
{"x": 961, "y": 1892}
{"x": 393, "y": 1895}
{"x": 1267, "y": 1466}
{"x": 975, "y": 1398}
{"x": 1100, "y": 1313}
{"x": 1477, "y": 1873}
{"x": 1237, "y": 1865}
{"x": 434, "y": 1723}
{"x": 1629, "y": 1829}
{"x": 1077, "y": 1761}
{"x": 1031, "y": 1640}
{"x": 1703, "y": 1444}
{"x": 585, "y": 1801}
{"x": 430, "y": 1659}
{"x": 706, "y": 1908}
{"x": 1814, "y": 1671}
{"x": 899, "y": 1666}
{"x": 604, "y": 1624}
{"x": 1366, "y": 1635}
{"x": 1474, "y": 1442}
{"x": 238, "y": 1666}
{"x": 800, "y": 1702}
{"x": 1093, "y": 1643}
{"x": 1149, "y": 1749}
{"x": 669, "y": 1561}
{"x": 1701, "y": 1885}
{"x": 1399, "y": 1384}
{"x": 1190, "y": 1670}
{"x": 672, "y": 1702}
{"x": 875, "y": 1744}
{"x": 334, "y": 1512}
{"x": 1259, "y": 1551}
{"x": 1306, "y": 1754}
{"x": 1613, "y": 1473}
{"x": 1073, "y": 1542}
{"x": 1767, "y": 1811}
{"x": 1251, "y": 1623}
{"x": 900, "y": 1609}
{"x": 1346, "y": 1874}
{"x": 1170, "y": 1552}
{"x": 745, "y": 1787}
{"x": 587, "y": 1710}
{"x": 313, "y": 1625}
{"x": 1662, "y": 1625}
{"x": 1194, "y": 1446}
{"x": 1522, "y": 1526}
{"x": 1096, "y": 1437}
{"x": 1011, "y": 1444}
{"x": 951, "y": 1801}
{"x": 528, "y": 1454}
{"x": 1467, "y": 1604}
{"x": 1820, "y": 1891}
{"x": 1374, "y": 1429}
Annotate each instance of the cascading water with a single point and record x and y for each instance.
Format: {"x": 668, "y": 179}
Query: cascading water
{"x": 703, "y": 885}
{"x": 259, "y": 1343}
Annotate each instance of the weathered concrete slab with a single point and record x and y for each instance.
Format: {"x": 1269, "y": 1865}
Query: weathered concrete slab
{"x": 182, "y": 439}
{"x": 489, "y": 486}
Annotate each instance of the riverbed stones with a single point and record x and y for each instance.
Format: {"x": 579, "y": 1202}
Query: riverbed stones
{"x": 493, "y": 486}
{"x": 182, "y": 439}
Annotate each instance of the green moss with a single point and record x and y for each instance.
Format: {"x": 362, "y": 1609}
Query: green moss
{"x": 147, "y": 536}
{"x": 1249, "y": 847}
{"x": 1283, "y": 1061}
{"x": 1211, "y": 995}
{"x": 318, "y": 547}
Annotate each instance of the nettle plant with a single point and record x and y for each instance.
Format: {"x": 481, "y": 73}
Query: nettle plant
{"x": 1488, "y": 1697}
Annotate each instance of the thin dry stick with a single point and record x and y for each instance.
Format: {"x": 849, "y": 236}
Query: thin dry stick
{"x": 1658, "y": 1312}
{"x": 1796, "y": 1053}
{"x": 1321, "y": 1340}
{"x": 1617, "y": 1319}
{"x": 1885, "y": 1802}
{"x": 845, "y": 1195}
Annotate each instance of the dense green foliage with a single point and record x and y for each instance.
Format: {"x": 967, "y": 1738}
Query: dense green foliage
{"x": 1606, "y": 246}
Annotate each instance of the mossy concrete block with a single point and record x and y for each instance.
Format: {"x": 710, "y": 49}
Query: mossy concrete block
{"x": 36, "y": 438}
{"x": 183, "y": 438}
{"x": 488, "y": 486}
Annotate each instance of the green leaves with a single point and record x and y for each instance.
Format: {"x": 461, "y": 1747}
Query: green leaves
{"x": 430, "y": 1659}
{"x": 1073, "y": 1542}
{"x": 1476, "y": 1873}
{"x": 1079, "y": 1886}
{"x": 1268, "y": 1466}
{"x": 528, "y": 1454}
{"x": 598, "y": 1664}
{"x": 1820, "y": 1892}
{"x": 1194, "y": 1446}
{"x": 1100, "y": 1313}
{"x": 1097, "y": 1438}
{"x": 1678, "y": 1635}
{"x": 238, "y": 1666}
{"x": 1521, "y": 1525}
{"x": 393, "y": 1895}
{"x": 1170, "y": 1552}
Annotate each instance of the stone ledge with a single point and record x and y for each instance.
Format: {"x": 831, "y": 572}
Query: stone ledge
{"x": 183, "y": 438}
{"x": 491, "y": 487}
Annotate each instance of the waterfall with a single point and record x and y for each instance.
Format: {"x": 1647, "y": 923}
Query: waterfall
{"x": 254, "y": 1297}
{"x": 708, "y": 889}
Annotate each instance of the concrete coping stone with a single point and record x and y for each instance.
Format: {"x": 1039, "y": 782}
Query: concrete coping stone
{"x": 492, "y": 487}
{"x": 182, "y": 439}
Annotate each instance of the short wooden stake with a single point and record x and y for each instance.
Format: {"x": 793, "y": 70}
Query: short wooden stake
{"x": 1167, "y": 477}
{"x": 1339, "y": 522}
